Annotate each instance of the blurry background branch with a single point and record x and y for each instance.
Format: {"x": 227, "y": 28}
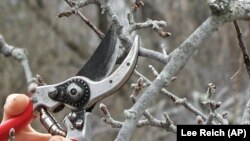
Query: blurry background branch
{"x": 43, "y": 17}
{"x": 246, "y": 114}
{"x": 19, "y": 54}
{"x": 242, "y": 47}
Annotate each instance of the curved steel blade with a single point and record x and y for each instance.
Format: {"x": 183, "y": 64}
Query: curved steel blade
{"x": 104, "y": 88}
{"x": 101, "y": 63}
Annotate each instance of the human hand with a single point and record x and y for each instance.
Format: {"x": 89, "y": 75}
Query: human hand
{"x": 15, "y": 105}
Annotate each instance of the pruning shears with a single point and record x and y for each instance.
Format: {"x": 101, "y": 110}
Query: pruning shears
{"x": 79, "y": 93}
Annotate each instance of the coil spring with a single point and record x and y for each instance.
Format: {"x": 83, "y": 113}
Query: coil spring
{"x": 49, "y": 122}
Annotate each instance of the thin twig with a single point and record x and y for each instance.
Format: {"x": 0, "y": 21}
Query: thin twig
{"x": 137, "y": 4}
{"x": 86, "y": 20}
{"x": 150, "y": 120}
{"x": 243, "y": 47}
{"x": 210, "y": 119}
{"x": 236, "y": 73}
{"x": 166, "y": 124}
{"x": 163, "y": 48}
{"x": 213, "y": 106}
{"x": 154, "y": 71}
{"x": 199, "y": 120}
{"x": 175, "y": 98}
{"x": 155, "y": 25}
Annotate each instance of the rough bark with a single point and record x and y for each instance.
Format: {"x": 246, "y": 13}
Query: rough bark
{"x": 233, "y": 10}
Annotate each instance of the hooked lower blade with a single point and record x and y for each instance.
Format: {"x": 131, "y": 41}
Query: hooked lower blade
{"x": 101, "y": 63}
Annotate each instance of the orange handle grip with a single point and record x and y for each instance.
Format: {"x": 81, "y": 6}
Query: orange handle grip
{"x": 16, "y": 122}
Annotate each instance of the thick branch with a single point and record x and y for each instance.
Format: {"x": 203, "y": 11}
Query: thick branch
{"x": 178, "y": 58}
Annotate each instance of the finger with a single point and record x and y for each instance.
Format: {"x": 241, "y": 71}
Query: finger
{"x": 58, "y": 138}
{"x": 15, "y": 104}
{"x": 32, "y": 136}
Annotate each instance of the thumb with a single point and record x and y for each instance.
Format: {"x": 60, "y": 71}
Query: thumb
{"x": 58, "y": 138}
{"x": 15, "y": 105}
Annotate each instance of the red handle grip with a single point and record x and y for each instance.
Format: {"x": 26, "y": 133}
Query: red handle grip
{"x": 16, "y": 122}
